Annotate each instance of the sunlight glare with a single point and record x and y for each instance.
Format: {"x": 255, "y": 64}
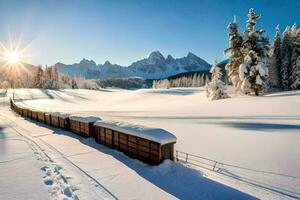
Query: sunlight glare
{"x": 13, "y": 58}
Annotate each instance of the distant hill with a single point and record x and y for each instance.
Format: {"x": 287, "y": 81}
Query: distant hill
{"x": 21, "y": 73}
{"x": 155, "y": 66}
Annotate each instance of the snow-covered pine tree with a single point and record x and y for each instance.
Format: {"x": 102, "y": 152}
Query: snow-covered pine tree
{"x": 236, "y": 56}
{"x": 275, "y": 63}
{"x": 254, "y": 71}
{"x": 286, "y": 51}
{"x": 38, "y": 81}
{"x": 48, "y": 78}
{"x": 74, "y": 84}
{"x": 55, "y": 78}
{"x": 216, "y": 88}
{"x": 295, "y": 76}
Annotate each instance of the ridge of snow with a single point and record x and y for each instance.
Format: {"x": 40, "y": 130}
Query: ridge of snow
{"x": 84, "y": 119}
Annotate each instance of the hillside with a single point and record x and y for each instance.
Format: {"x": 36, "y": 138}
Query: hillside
{"x": 22, "y": 74}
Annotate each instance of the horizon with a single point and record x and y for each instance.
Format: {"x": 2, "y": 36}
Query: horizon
{"x": 122, "y": 32}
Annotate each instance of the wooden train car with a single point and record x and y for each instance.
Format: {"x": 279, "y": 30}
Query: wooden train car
{"x": 25, "y": 112}
{"x": 48, "y": 119}
{"x": 41, "y": 116}
{"x": 83, "y": 126}
{"x": 150, "y": 145}
{"x": 60, "y": 120}
{"x": 34, "y": 115}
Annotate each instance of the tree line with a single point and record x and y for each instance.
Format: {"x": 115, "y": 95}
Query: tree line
{"x": 50, "y": 78}
{"x": 197, "y": 80}
{"x": 257, "y": 67}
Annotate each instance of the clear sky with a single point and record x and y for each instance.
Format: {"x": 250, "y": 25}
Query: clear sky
{"x": 123, "y": 31}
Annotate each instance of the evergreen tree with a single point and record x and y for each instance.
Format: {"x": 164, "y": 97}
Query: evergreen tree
{"x": 236, "y": 56}
{"x": 295, "y": 76}
{"x": 216, "y": 88}
{"x": 274, "y": 67}
{"x": 254, "y": 71}
{"x": 74, "y": 84}
{"x": 38, "y": 78}
{"x": 55, "y": 78}
{"x": 48, "y": 78}
{"x": 286, "y": 49}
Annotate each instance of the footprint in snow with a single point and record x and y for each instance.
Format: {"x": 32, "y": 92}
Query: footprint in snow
{"x": 68, "y": 192}
{"x": 45, "y": 168}
{"x": 48, "y": 181}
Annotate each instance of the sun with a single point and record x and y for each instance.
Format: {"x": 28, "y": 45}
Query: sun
{"x": 12, "y": 58}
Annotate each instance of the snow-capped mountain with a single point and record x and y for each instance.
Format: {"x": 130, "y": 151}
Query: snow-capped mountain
{"x": 154, "y": 67}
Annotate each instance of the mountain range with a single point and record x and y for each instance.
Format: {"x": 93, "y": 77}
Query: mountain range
{"x": 156, "y": 66}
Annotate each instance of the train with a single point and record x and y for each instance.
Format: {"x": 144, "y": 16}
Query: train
{"x": 149, "y": 145}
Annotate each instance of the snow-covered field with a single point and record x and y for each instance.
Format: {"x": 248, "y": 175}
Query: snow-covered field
{"x": 258, "y": 133}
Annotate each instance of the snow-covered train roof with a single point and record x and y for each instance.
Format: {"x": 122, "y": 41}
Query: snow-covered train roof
{"x": 61, "y": 115}
{"x": 84, "y": 118}
{"x": 158, "y": 135}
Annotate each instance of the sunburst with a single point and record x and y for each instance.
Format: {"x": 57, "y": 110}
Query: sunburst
{"x": 13, "y": 59}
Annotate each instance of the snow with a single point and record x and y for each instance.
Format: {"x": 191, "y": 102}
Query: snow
{"x": 153, "y": 67}
{"x": 72, "y": 167}
{"x": 259, "y": 133}
{"x": 243, "y": 70}
{"x": 84, "y": 119}
{"x": 59, "y": 114}
{"x": 15, "y": 156}
{"x": 262, "y": 69}
{"x": 258, "y": 80}
{"x": 154, "y": 134}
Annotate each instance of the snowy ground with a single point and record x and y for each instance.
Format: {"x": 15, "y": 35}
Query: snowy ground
{"x": 260, "y": 133}
{"x": 36, "y": 158}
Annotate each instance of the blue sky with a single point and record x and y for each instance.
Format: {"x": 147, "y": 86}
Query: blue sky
{"x": 123, "y": 31}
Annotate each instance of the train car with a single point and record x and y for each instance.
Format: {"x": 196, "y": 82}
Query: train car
{"x": 34, "y": 115}
{"x": 41, "y": 116}
{"x": 48, "y": 119}
{"x": 150, "y": 145}
{"x": 60, "y": 120}
{"x": 83, "y": 125}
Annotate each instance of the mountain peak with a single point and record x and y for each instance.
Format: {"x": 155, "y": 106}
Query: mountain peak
{"x": 107, "y": 63}
{"x": 169, "y": 58}
{"x": 191, "y": 55}
{"x": 156, "y": 55}
{"x": 86, "y": 61}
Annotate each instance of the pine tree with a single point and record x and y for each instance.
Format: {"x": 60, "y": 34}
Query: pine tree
{"x": 48, "y": 78}
{"x": 38, "y": 78}
{"x": 295, "y": 73}
{"x": 254, "y": 71}
{"x": 55, "y": 78}
{"x": 74, "y": 84}
{"x": 274, "y": 67}
{"x": 236, "y": 56}
{"x": 286, "y": 49}
{"x": 216, "y": 88}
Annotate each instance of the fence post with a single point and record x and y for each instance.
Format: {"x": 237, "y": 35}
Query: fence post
{"x": 176, "y": 155}
{"x": 215, "y": 166}
{"x": 186, "y": 158}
